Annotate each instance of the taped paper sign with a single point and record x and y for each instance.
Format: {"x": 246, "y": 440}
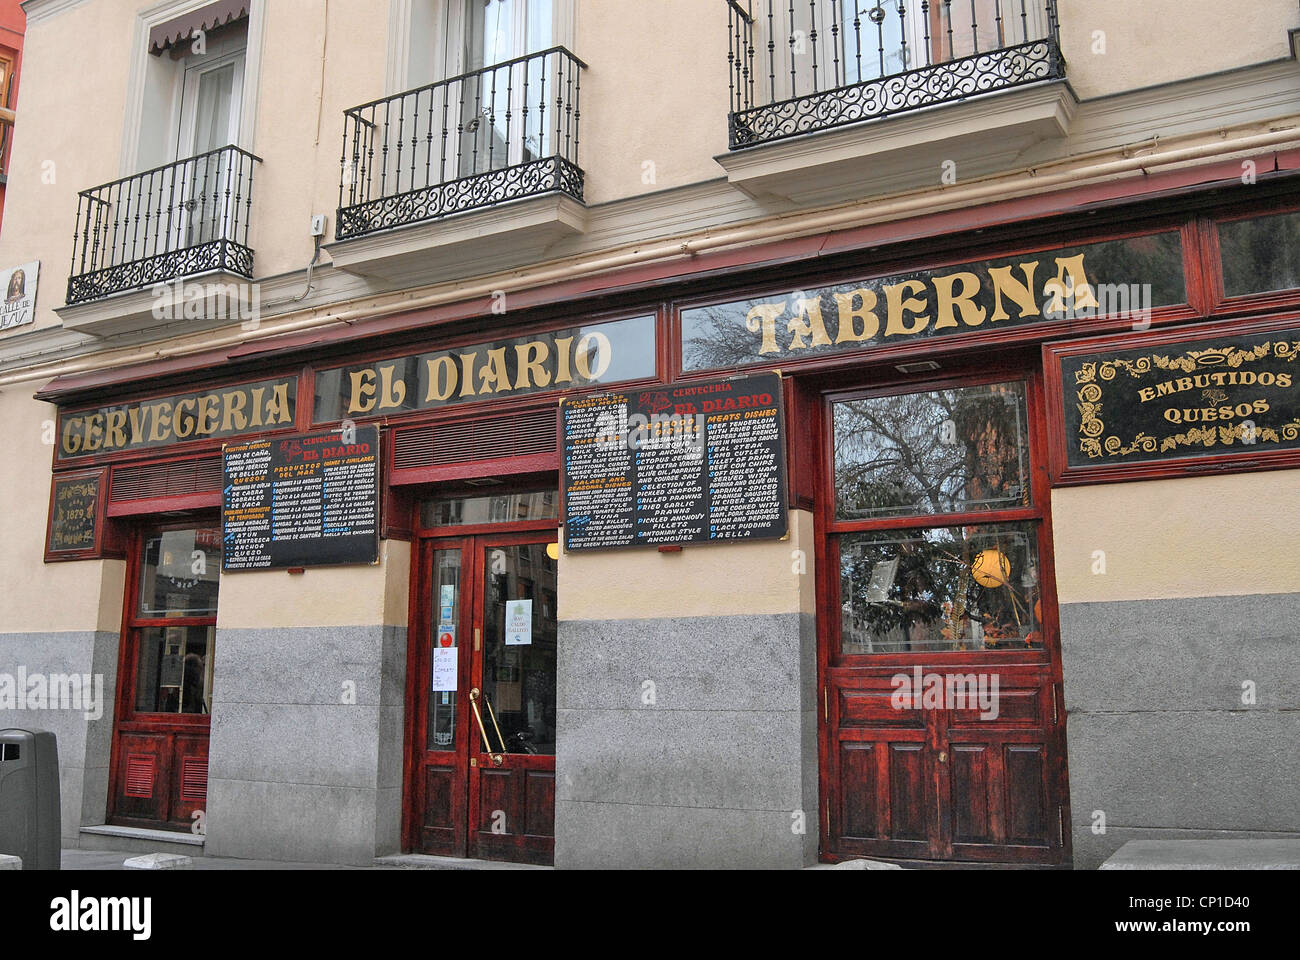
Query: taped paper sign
{"x": 519, "y": 623}
{"x": 444, "y": 669}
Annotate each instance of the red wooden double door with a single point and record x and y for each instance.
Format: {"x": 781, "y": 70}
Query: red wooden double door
{"x": 482, "y": 687}
{"x": 942, "y": 723}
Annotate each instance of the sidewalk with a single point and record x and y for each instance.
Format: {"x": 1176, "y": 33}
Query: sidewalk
{"x": 111, "y": 860}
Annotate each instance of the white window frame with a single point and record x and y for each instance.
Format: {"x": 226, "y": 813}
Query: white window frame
{"x": 132, "y": 160}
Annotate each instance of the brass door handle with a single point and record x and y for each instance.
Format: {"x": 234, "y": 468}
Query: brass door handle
{"x": 943, "y": 756}
{"x": 497, "y": 759}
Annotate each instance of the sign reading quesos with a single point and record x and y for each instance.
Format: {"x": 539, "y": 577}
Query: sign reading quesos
{"x": 682, "y": 463}
{"x": 1230, "y": 394}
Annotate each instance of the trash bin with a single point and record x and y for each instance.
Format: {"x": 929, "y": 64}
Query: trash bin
{"x": 29, "y": 797}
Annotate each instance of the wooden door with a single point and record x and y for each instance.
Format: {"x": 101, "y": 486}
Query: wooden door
{"x": 481, "y": 732}
{"x": 942, "y": 729}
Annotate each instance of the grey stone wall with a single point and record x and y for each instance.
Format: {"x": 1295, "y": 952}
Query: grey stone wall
{"x": 710, "y": 774}
{"x": 294, "y": 772}
{"x": 84, "y": 744}
{"x": 1159, "y": 739}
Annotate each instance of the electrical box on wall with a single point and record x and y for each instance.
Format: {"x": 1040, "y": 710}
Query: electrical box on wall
{"x": 318, "y": 223}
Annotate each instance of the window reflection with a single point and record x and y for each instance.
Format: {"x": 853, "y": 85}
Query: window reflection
{"x": 499, "y": 508}
{"x": 947, "y": 588}
{"x": 174, "y": 670}
{"x": 180, "y": 573}
{"x": 945, "y": 451}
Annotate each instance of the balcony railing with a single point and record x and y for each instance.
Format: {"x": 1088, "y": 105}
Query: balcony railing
{"x": 798, "y": 66}
{"x": 173, "y": 221}
{"x": 502, "y": 133}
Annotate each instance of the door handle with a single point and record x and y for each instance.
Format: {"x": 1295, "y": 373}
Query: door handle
{"x": 497, "y": 759}
{"x": 943, "y": 756}
{"x": 477, "y": 635}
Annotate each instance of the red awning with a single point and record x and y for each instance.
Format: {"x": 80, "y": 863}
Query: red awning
{"x": 207, "y": 17}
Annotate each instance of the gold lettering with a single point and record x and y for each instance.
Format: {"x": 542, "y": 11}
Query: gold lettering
{"x": 812, "y": 327}
{"x": 394, "y": 392}
{"x": 532, "y": 370}
{"x": 971, "y": 314}
{"x": 1147, "y": 393}
{"x": 1021, "y": 294}
{"x": 467, "y": 362}
{"x": 764, "y": 317}
{"x": 495, "y": 372}
{"x": 94, "y": 432}
{"x": 115, "y": 432}
{"x": 256, "y": 405}
{"x": 448, "y": 366}
{"x": 603, "y": 353}
{"x": 136, "y": 416}
{"x": 207, "y": 415}
{"x": 1073, "y": 279}
{"x": 162, "y": 425}
{"x": 277, "y": 408}
{"x": 894, "y": 295}
{"x": 363, "y": 391}
{"x": 71, "y": 438}
{"x": 235, "y": 419}
{"x": 563, "y": 346}
{"x": 178, "y": 419}
{"x": 849, "y": 315}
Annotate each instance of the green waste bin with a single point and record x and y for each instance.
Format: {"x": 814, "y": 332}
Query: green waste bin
{"x": 29, "y": 797}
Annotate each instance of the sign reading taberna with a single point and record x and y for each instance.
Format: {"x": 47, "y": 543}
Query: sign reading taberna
{"x": 1117, "y": 279}
{"x": 302, "y": 500}
{"x": 683, "y": 463}
{"x": 1234, "y": 394}
{"x": 614, "y": 352}
{"x": 220, "y": 412}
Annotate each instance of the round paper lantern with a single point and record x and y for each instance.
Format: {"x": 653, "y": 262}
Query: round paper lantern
{"x": 991, "y": 568}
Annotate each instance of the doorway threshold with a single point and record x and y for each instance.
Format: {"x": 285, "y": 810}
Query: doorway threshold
{"x": 421, "y": 861}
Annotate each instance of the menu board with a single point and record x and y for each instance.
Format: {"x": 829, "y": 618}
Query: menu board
{"x": 1235, "y": 394}
{"x": 684, "y": 463}
{"x": 301, "y": 501}
{"x": 73, "y": 513}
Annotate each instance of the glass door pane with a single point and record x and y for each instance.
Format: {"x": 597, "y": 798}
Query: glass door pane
{"x": 519, "y": 648}
{"x": 444, "y": 660}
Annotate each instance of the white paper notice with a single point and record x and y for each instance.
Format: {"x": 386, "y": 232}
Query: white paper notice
{"x": 444, "y": 668}
{"x": 519, "y": 623}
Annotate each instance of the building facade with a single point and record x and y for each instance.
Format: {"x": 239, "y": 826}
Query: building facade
{"x": 979, "y": 319}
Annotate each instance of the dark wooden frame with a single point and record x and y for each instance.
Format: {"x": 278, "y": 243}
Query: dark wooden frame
{"x": 833, "y": 667}
{"x": 471, "y": 540}
{"x": 87, "y": 553}
{"x": 125, "y": 717}
{"x": 1237, "y": 461}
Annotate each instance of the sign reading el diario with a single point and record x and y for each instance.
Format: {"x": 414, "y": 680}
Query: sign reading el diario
{"x": 683, "y": 463}
{"x": 219, "y": 412}
{"x": 73, "y": 513}
{"x": 613, "y": 352}
{"x": 1193, "y": 399}
{"x": 299, "y": 501}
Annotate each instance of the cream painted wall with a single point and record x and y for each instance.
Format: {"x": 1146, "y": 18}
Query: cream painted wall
{"x": 322, "y": 596}
{"x": 1193, "y": 537}
{"x": 707, "y": 580}
{"x": 1158, "y": 41}
{"x": 41, "y": 597}
{"x": 656, "y": 92}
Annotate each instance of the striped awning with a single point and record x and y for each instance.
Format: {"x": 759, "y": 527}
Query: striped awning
{"x": 207, "y": 17}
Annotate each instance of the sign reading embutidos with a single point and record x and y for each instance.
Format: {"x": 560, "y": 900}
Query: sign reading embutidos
{"x": 675, "y": 464}
{"x": 219, "y": 412}
{"x": 1229, "y": 394}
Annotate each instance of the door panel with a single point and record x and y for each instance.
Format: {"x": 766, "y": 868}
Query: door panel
{"x": 484, "y": 785}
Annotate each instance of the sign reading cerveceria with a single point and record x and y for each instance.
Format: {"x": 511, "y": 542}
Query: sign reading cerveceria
{"x": 1184, "y": 400}
{"x": 1116, "y": 279}
{"x": 564, "y": 359}
{"x": 220, "y": 412}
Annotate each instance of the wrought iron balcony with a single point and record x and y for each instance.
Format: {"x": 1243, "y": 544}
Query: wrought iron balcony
{"x": 502, "y": 133}
{"x": 178, "y": 220}
{"x": 797, "y": 66}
